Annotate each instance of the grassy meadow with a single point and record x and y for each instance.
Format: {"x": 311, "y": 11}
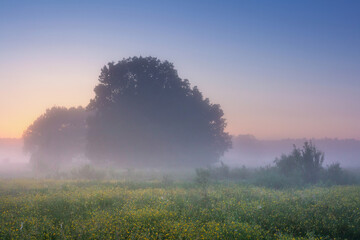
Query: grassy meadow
{"x": 75, "y": 209}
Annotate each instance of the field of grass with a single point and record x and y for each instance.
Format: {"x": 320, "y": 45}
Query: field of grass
{"x": 61, "y": 209}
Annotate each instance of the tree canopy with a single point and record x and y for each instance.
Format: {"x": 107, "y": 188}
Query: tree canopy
{"x": 144, "y": 114}
{"x": 56, "y": 137}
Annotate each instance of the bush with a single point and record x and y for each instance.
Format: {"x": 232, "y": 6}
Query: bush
{"x": 306, "y": 161}
{"x": 167, "y": 180}
{"x": 220, "y": 173}
{"x": 271, "y": 177}
{"x": 335, "y": 175}
{"x": 88, "y": 172}
{"x": 203, "y": 177}
{"x": 242, "y": 173}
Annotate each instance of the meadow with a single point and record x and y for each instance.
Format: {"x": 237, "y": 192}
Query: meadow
{"x": 73, "y": 209}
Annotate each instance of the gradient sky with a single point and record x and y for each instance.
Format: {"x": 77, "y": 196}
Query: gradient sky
{"x": 279, "y": 69}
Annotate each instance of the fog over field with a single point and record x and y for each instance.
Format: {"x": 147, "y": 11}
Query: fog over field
{"x": 247, "y": 150}
{"x": 253, "y": 152}
{"x": 12, "y": 158}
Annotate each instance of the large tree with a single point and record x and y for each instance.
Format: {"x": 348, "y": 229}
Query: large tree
{"x": 146, "y": 115}
{"x": 56, "y": 137}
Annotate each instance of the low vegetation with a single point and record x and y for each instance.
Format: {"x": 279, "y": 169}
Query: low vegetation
{"x": 69, "y": 209}
{"x": 296, "y": 198}
{"x": 301, "y": 168}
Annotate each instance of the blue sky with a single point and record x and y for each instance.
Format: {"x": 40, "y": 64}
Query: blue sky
{"x": 278, "y": 68}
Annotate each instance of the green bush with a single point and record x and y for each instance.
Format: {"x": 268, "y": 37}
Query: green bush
{"x": 220, "y": 173}
{"x": 270, "y": 177}
{"x": 306, "y": 161}
{"x": 335, "y": 175}
{"x": 88, "y": 172}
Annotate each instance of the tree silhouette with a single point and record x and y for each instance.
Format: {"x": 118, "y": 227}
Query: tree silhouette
{"x": 146, "y": 115}
{"x": 56, "y": 137}
{"x": 307, "y": 162}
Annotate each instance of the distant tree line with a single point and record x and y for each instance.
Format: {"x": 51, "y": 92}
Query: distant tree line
{"x": 143, "y": 115}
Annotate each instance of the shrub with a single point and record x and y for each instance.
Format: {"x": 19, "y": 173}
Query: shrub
{"x": 242, "y": 173}
{"x": 88, "y": 172}
{"x": 306, "y": 161}
{"x": 220, "y": 173}
{"x": 335, "y": 175}
{"x": 271, "y": 177}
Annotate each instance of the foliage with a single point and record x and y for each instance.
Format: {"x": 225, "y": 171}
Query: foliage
{"x": 56, "y": 137}
{"x": 167, "y": 180}
{"x": 240, "y": 173}
{"x": 203, "y": 177}
{"x": 306, "y": 161}
{"x": 270, "y": 177}
{"x": 335, "y": 175}
{"x": 275, "y": 177}
{"x": 146, "y": 115}
{"x": 88, "y": 172}
{"x": 33, "y": 209}
{"x": 221, "y": 172}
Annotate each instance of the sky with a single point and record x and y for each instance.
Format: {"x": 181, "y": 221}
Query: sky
{"x": 279, "y": 69}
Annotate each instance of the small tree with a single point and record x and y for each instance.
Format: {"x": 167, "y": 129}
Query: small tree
{"x": 306, "y": 162}
{"x": 312, "y": 160}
